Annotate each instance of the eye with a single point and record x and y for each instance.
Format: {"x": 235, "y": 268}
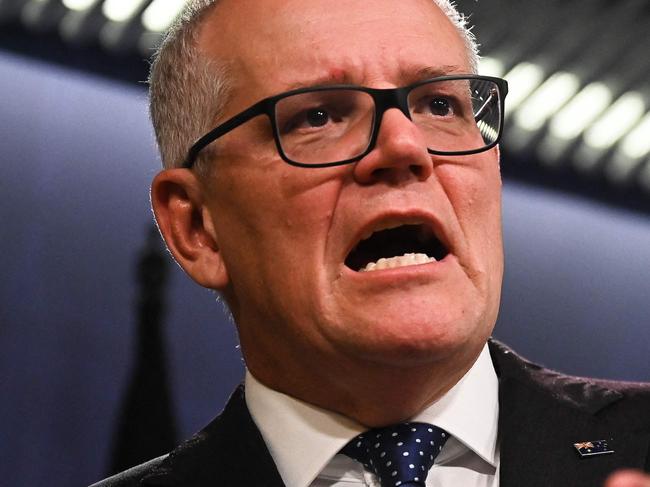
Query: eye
{"x": 440, "y": 107}
{"x": 306, "y": 119}
{"x": 317, "y": 117}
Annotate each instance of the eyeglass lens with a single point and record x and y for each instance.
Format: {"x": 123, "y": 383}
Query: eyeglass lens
{"x": 334, "y": 125}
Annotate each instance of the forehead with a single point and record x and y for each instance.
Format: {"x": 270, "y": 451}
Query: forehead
{"x": 274, "y": 45}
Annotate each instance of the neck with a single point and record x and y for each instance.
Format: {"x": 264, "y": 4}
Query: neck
{"x": 373, "y": 394}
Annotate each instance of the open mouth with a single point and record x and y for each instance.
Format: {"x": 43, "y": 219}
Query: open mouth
{"x": 401, "y": 246}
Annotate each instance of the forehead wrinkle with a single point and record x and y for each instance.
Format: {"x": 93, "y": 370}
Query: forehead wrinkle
{"x": 432, "y": 72}
{"x": 406, "y": 75}
{"x": 334, "y": 76}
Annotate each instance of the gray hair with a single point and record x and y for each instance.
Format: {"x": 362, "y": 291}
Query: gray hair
{"x": 187, "y": 90}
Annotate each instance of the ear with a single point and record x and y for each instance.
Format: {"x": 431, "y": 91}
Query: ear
{"x": 186, "y": 225}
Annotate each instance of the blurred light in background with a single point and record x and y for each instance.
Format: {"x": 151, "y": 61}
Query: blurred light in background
{"x": 121, "y": 10}
{"x": 79, "y": 5}
{"x": 490, "y": 66}
{"x": 523, "y": 79}
{"x": 160, "y": 14}
{"x": 637, "y": 143}
{"x": 581, "y": 111}
{"x": 621, "y": 117}
{"x": 546, "y": 100}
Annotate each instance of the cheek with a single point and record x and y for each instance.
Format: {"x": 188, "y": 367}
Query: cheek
{"x": 275, "y": 211}
{"x": 475, "y": 196}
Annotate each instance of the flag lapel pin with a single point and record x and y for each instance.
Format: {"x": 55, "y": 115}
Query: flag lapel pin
{"x": 593, "y": 448}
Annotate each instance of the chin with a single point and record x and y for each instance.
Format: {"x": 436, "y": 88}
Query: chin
{"x": 414, "y": 337}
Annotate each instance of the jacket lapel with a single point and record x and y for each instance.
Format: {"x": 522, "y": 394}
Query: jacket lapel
{"x": 542, "y": 414}
{"x": 229, "y": 451}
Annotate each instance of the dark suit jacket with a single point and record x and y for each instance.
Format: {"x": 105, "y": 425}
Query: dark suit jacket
{"x": 542, "y": 414}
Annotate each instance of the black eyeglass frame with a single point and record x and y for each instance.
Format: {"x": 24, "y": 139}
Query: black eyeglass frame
{"x": 384, "y": 99}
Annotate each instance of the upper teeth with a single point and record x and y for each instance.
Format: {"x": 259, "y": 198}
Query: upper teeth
{"x": 400, "y": 261}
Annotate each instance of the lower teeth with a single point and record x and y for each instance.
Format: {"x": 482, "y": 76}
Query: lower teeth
{"x": 400, "y": 261}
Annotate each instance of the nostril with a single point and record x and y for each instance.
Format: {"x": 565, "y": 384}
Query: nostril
{"x": 394, "y": 174}
{"x": 380, "y": 173}
{"x": 417, "y": 169}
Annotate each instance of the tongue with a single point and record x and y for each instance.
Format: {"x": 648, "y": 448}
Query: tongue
{"x": 400, "y": 261}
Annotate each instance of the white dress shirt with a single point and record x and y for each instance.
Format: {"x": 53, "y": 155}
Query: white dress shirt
{"x": 304, "y": 440}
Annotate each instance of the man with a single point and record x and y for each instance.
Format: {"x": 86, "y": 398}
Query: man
{"x": 352, "y": 222}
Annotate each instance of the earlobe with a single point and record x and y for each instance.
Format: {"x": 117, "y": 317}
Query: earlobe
{"x": 185, "y": 223}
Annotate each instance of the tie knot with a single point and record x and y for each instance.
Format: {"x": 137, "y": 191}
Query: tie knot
{"x": 400, "y": 454}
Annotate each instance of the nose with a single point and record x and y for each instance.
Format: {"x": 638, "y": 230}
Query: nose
{"x": 400, "y": 153}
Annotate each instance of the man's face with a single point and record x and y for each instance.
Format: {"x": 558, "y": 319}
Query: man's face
{"x": 286, "y": 233}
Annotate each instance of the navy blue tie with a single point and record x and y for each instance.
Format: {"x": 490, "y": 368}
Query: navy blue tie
{"x": 401, "y": 454}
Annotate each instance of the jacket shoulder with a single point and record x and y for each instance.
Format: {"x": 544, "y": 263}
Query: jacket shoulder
{"x": 133, "y": 476}
{"x": 216, "y": 456}
{"x": 585, "y": 393}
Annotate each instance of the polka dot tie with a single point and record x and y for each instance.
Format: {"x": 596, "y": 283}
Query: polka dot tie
{"x": 400, "y": 455}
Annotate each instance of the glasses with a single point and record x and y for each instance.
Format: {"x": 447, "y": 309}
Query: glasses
{"x": 332, "y": 125}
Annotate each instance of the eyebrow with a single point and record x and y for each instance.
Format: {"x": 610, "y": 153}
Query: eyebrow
{"x": 428, "y": 72}
{"x": 326, "y": 80}
{"x": 408, "y": 75}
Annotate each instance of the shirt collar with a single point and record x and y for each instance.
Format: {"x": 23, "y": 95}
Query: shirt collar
{"x": 303, "y": 438}
{"x": 469, "y": 412}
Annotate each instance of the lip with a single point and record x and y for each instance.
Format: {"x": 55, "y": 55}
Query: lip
{"x": 394, "y": 219}
{"x": 394, "y": 277}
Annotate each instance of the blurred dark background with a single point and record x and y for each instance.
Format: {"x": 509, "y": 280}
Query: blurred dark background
{"x": 97, "y": 325}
